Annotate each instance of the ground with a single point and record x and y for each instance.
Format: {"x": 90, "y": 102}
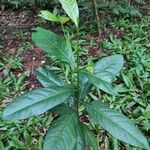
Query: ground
{"x": 19, "y": 58}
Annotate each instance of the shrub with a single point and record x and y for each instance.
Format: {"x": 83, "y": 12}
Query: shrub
{"x": 67, "y": 98}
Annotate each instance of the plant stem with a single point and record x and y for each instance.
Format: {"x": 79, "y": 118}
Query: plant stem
{"x": 78, "y": 67}
{"x": 97, "y": 17}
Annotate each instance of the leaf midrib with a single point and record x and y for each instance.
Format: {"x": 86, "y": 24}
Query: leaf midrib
{"x": 70, "y": 11}
{"x": 57, "y": 141}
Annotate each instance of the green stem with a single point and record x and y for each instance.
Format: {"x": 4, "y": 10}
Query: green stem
{"x": 78, "y": 67}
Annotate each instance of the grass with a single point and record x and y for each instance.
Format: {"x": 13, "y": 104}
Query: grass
{"x": 133, "y": 85}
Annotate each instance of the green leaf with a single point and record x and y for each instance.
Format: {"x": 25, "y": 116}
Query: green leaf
{"x": 85, "y": 139}
{"x": 2, "y": 146}
{"x": 16, "y": 143}
{"x": 80, "y": 143}
{"x": 85, "y": 89}
{"x": 112, "y": 64}
{"x": 62, "y": 134}
{"x": 90, "y": 140}
{"x": 100, "y": 83}
{"x": 63, "y": 20}
{"x": 105, "y": 75}
{"x": 48, "y": 16}
{"x": 71, "y": 8}
{"x": 106, "y": 69}
{"x": 147, "y": 112}
{"x": 116, "y": 124}
{"x": 48, "y": 78}
{"x": 54, "y": 45}
{"x": 52, "y": 17}
{"x": 36, "y": 102}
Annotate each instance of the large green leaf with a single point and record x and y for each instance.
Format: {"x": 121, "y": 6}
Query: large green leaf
{"x": 54, "y": 45}
{"x": 62, "y": 135}
{"x": 71, "y": 8}
{"x": 48, "y": 78}
{"x": 116, "y": 124}
{"x": 52, "y": 17}
{"x": 36, "y": 102}
{"x": 111, "y": 64}
{"x": 101, "y": 83}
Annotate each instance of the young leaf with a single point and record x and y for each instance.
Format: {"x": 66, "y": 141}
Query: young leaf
{"x": 36, "y": 102}
{"x": 48, "y": 78}
{"x": 52, "y": 17}
{"x": 54, "y": 45}
{"x": 99, "y": 82}
{"x": 112, "y": 64}
{"x": 71, "y": 8}
{"x": 63, "y": 20}
{"x": 48, "y": 16}
{"x": 108, "y": 67}
{"x": 62, "y": 134}
{"x": 116, "y": 124}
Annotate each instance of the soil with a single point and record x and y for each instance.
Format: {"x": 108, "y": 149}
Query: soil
{"x": 12, "y": 25}
{"x": 13, "y": 21}
{"x": 31, "y": 61}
